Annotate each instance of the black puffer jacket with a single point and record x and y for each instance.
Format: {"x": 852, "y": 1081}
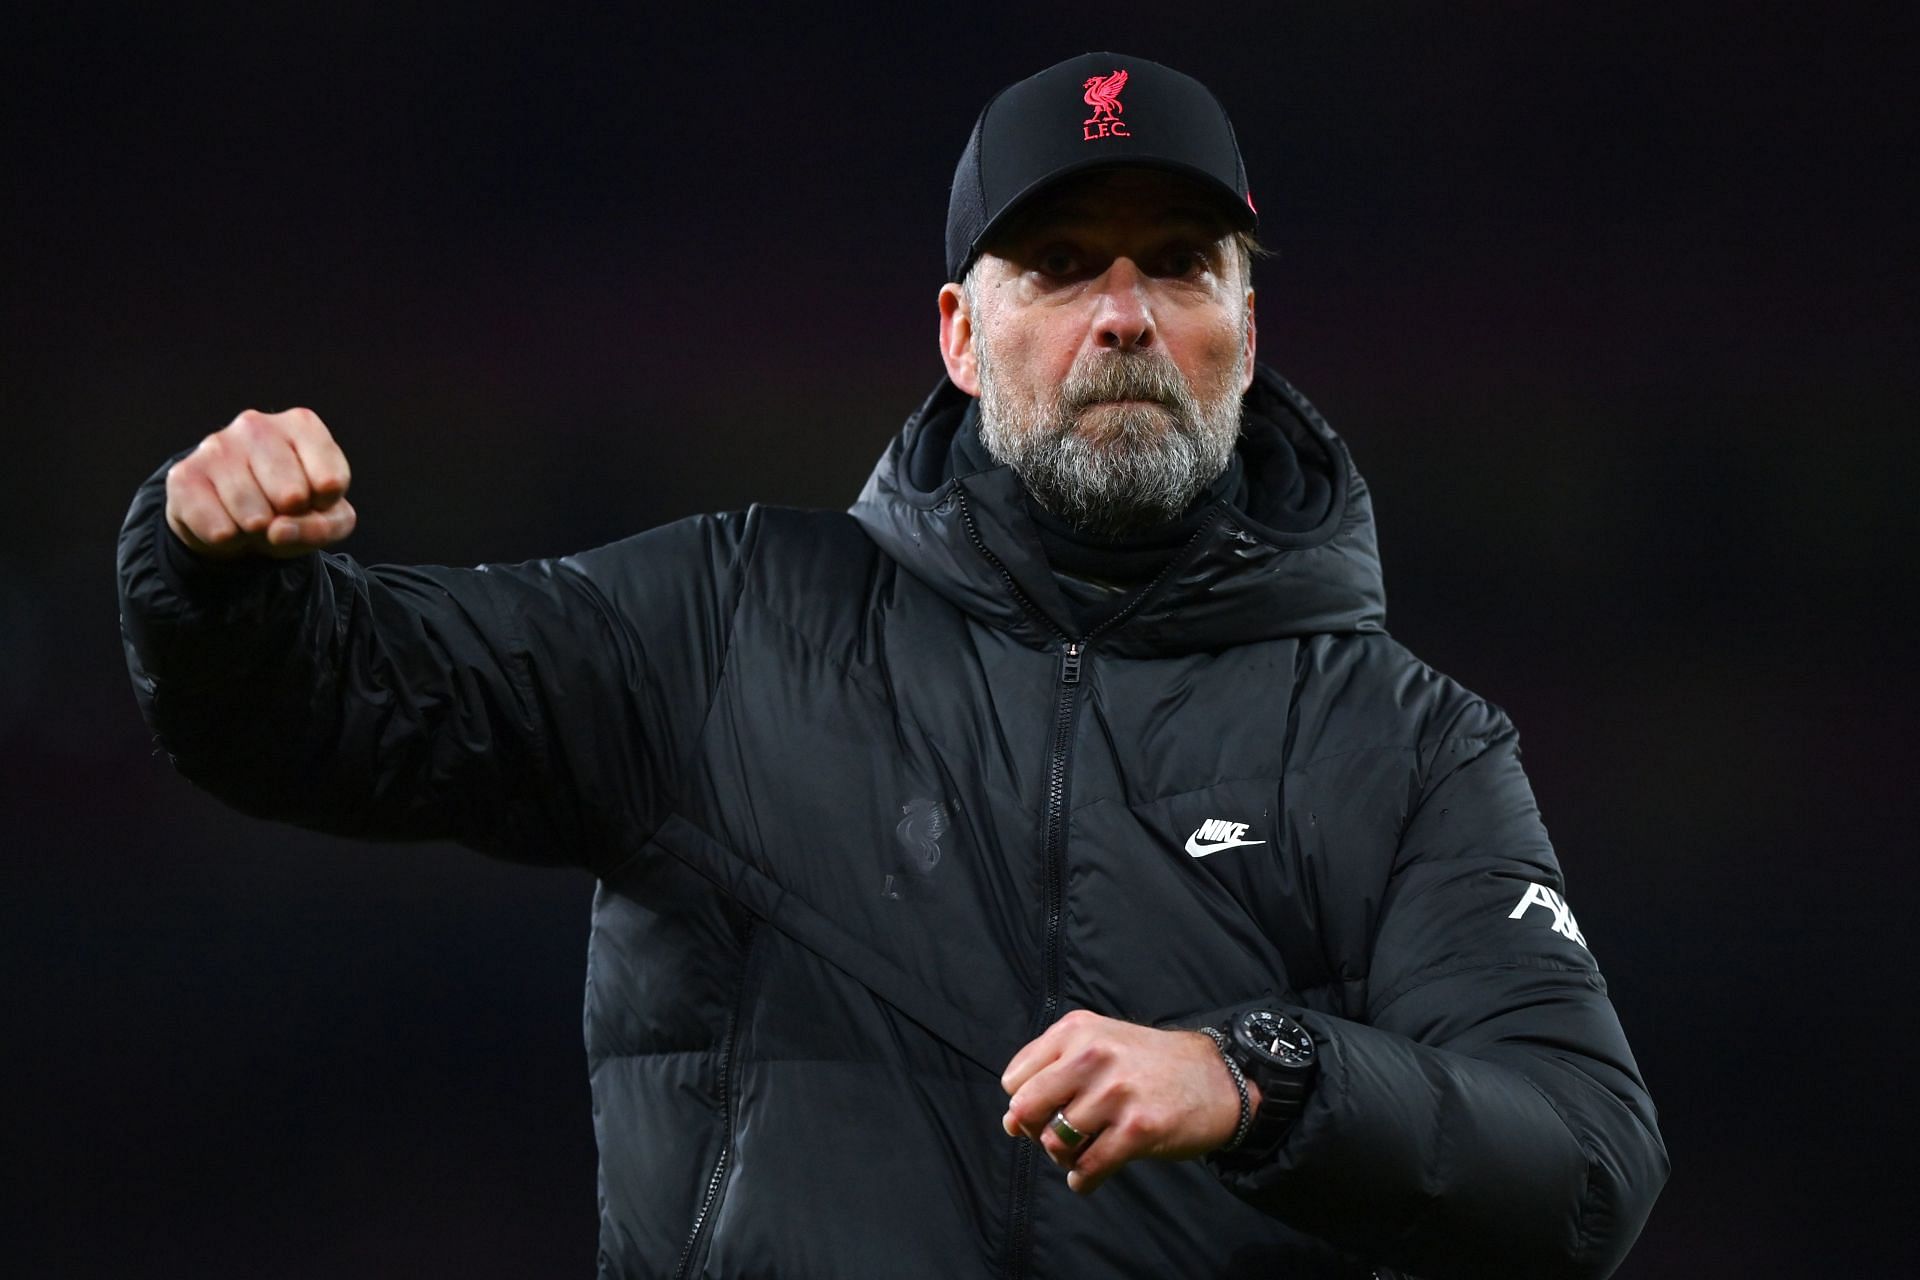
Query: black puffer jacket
{"x": 866, "y": 816}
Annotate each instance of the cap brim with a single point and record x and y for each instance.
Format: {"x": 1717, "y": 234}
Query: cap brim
{"x": 1239, "y": 214}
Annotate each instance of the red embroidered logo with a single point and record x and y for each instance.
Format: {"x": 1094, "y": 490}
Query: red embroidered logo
{"x": 1103, "y": 95}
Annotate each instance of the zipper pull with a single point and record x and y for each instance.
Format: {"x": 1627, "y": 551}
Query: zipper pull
{"x": 1070, "y": 663}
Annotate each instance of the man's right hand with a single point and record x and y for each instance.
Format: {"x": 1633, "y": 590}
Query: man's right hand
{"x": 271, "y": 484}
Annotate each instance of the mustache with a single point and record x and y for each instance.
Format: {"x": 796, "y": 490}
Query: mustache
{"x": 1134, "y": 375}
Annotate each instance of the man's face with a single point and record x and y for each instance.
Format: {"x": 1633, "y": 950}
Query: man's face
{"x": 1109, "y": 338}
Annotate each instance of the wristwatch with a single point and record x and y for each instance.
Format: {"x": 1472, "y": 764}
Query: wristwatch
{"x": 1275, "y": 1052}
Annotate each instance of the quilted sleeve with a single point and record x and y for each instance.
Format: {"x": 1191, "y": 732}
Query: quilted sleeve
{"x": 1486, "y": 1117}
{"x": 531, "y": 711}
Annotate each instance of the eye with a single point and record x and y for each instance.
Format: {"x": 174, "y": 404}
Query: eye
{"x": 1057, "y": 261}
{"x": 1182, "y": 261}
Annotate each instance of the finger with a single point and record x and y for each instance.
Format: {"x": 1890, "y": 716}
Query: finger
{"x": 294, "y": 535}
{"x": 1060, "y": 1082}
{"x": 320, "y": 456}
{"x": 279, "y": 475}
{"x": 226, "y": 468}
{"x": 1082, "y": 1183}
{"x": 1036, "y": 1054}
{"x": 1043, "y": 1049}
{"x": 191, "y": 498}
{"x": 1095, "y": 1108}
{"x": 1119, "y": 1142}
{"x": 1073, "y": 1159}
{"x": 1031, "y": 1109}
{"x": 1062, "y": 1152}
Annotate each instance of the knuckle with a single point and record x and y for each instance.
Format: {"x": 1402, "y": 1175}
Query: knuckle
{"x": 208, "y": 525}
{"x": 306, "y": 425}
{"x": 1094, "y": 1053}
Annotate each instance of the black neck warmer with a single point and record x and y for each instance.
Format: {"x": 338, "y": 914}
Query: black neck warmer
{"x": 1097, "y": 575}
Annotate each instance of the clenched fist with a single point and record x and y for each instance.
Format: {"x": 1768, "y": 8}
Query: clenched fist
{"x": 271, "y": 484}
{"x": 1134, "y": 1091}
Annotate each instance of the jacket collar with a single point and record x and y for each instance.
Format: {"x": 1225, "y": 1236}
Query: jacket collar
{"x": 1311, "y": 565}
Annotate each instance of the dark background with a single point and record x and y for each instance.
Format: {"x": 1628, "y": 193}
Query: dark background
{"x": 1615, "y": 308}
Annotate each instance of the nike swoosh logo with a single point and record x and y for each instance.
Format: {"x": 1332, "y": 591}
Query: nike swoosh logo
{"x": 1200, "y": 850}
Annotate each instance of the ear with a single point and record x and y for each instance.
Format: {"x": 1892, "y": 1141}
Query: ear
{"x": 956, "y": 340}
{"x": 1246, "y": 379}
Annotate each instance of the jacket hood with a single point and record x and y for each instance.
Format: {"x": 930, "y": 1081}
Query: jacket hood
{"x": 1291, "y": 552}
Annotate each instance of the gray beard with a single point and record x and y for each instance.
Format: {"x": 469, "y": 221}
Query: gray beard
{"x": 1114, "y": 470}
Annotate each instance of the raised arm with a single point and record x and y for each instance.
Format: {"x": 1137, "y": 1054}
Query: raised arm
{"x": 533, "y": 711}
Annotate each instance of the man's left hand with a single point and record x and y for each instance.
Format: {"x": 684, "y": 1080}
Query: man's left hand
{"x": 1133, "y": 1091}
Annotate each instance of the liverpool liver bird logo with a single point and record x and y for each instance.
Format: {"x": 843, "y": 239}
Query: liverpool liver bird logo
{"x": 1103, "y": 95}
{"x": 920, "y": 831}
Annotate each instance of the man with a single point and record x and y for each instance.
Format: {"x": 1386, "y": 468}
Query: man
{"x": 1063, "y": 807}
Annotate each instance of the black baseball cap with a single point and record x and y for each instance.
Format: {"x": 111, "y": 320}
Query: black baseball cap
{"x": 1093, "y": 111}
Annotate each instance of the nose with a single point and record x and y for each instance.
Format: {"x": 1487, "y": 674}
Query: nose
{"x": 1123, "y": 318}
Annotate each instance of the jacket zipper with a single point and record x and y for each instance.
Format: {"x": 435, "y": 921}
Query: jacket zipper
{"x": 717, "y": 1179}
{"x": 706, "y": 1207}
{"x": 1066, "y": 701}
{"x": 1056, "y": 841}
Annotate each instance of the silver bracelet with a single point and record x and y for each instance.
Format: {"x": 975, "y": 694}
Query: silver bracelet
{"x": 1219, "y": 1039}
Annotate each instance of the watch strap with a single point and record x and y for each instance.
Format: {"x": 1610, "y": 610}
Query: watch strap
{"x": 1283, "y": 1091}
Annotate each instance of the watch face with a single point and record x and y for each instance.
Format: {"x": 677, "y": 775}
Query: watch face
{"x": 1276, "y": 1037}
